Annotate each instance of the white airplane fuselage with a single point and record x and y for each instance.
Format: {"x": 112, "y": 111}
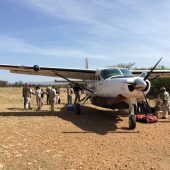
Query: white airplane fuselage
{"x": 116, "y": 92}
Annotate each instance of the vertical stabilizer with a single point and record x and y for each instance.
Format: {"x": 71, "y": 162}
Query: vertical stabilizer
{"x": 86, "y": 63}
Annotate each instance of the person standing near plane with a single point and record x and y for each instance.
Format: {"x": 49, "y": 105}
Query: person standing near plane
{"x": 76, "y": 89}
{"x": 57, "y": 95}
{"x": 52, "y": 98}
{"x": 42, "y": 97}
{"x": 164, "y": 97}
{"x": 24, "y": 94}
{"x": 48, "y": 94}
{"x": 38, "y": 93}
{"x": 69, "y": 95}
{"x": 28, "y": 92}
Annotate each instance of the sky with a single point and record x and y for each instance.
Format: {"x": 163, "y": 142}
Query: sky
{"x": 61, "y": 33}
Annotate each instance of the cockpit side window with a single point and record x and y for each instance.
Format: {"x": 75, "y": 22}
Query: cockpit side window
{"x": 143, "y": 74}
{"x": 126, "y": 72}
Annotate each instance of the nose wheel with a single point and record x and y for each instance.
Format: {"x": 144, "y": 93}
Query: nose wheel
{"x": 132, "y": 118}
{"x": 132, "y": 122}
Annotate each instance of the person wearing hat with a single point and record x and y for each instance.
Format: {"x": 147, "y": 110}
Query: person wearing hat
{"x": 164, "y": 97}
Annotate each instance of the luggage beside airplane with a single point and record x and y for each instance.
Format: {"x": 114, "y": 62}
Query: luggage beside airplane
{"x": 146, "y": 118}
{"x": 70, "y": 107}
{"x": 158, "y": 114}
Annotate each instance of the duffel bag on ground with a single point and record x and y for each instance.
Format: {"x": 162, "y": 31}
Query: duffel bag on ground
{"x": 151, "y": 118}
{"x": 146, "y": 118}
{"x": 141, "y": 118}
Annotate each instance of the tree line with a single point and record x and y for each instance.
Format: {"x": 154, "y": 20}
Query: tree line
{"x": 7, "y": 84}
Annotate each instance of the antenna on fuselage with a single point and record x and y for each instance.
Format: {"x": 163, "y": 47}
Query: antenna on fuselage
{"x": 86, "y": 63}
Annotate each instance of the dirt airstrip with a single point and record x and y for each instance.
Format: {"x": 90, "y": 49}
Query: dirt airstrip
{"x": 97, "y": 139}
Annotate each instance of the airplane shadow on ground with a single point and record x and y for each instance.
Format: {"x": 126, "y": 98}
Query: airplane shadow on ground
{"x": 91, "y": 120}
{"x": 28, "y": 113}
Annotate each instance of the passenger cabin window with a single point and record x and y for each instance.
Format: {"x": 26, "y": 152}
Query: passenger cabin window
{"x": 95, "y": 78}
{"x": 91, "y": 78}
{"x": 111, "y": 72}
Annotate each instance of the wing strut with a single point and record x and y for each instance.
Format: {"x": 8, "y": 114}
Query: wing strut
{"x": 74, "y": 82}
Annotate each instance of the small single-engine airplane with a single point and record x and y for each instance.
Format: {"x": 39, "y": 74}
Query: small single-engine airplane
{"x": 114, "y": 88}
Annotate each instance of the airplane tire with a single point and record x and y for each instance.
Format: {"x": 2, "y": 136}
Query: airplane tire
{"x": 132, "y": 122}
{"x": 77, "y": 109}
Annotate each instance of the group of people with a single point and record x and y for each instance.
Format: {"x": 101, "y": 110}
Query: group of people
{"x": 53, "y": 96}
{"x": 162, "y": 104}
{"x": 52, "y": 93}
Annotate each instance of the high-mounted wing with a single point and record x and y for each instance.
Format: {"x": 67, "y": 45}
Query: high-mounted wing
{"x": 83, "y": 74}
{"x": 155, "y": 73}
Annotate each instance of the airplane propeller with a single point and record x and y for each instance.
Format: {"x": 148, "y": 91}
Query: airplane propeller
{"x": 146, "y": 77}
{"x": 141, "y": 83}
{"x": 148, "y": 74}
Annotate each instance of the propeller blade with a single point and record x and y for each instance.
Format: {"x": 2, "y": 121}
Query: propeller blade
{"x": 147, "y": 76}
{"x": 155, "y": 77}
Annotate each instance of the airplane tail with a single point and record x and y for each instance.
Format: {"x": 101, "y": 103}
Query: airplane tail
{"x": 86, "y": 63}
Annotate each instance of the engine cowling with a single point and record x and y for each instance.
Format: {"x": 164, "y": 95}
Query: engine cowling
{"x": 136, "y": 87}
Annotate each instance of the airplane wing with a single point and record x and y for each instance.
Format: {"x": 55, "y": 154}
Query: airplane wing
{"x": 154, "y": 74}
{"x": 83, "y": 74}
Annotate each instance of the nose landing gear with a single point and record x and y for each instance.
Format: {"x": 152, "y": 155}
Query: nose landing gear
{"x": 132, "y": 122}
{"x": 132, "y": 118}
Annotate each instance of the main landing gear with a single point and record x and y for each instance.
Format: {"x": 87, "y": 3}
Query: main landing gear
{"x": 78, "y": 106}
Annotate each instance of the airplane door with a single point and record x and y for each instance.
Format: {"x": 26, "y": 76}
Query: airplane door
{"x": 98, "y": 84}
{"x": 91, "y": 84}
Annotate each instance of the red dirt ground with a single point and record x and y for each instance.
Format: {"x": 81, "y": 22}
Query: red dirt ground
{"x": 60, "y": 140}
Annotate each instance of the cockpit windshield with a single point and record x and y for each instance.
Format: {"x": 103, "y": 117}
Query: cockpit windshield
{"x": 112, "y": 72}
